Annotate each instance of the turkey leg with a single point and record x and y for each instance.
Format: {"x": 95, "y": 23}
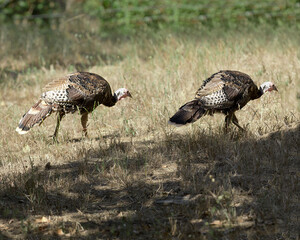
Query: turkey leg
{"x": 59, "y": 118}
{"x": 236, "y": 122}
{"x": 228, "y": 119}
{"x": 84, "y": 120}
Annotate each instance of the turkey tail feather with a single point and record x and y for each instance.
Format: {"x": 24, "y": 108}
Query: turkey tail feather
{"x": 36, "y": 114}
{"x": 188, "y": 113}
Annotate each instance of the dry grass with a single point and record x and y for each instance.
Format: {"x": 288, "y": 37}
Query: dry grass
{"x": 135, "y": 177}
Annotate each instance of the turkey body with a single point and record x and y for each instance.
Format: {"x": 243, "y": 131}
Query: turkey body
{"x": 81, "y": 91}
{"x": 225, "y": 91}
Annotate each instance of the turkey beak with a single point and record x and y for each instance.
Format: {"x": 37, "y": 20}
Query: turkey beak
{"x": 129, "y": 94}
{"x": 275, "y": 88}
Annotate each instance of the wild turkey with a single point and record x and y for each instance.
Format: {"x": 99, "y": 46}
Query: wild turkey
{"x": 80, "y": 91}
{"x": 224, "y": 92}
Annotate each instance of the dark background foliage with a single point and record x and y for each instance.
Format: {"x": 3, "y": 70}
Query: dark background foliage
{"x": 135, "y": 14}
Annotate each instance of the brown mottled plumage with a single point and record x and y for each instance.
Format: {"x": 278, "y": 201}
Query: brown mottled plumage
{"x": 225, "y": 92}
{"x": 80, "y": 91}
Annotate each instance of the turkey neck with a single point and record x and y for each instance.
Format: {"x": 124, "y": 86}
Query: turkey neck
{"x": 257, "y": 93}
{"x": 110, "y": 100}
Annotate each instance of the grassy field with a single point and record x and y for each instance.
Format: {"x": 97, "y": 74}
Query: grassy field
{"x": 136, "y": 177}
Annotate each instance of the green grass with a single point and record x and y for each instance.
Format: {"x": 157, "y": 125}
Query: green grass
{"x": 137, "y": 177}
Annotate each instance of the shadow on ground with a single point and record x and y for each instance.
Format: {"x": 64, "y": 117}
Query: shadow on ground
{"x": 185, "y": 186}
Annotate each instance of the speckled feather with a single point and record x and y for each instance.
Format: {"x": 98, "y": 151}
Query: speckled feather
{"x": 79, "y": 90}
{"x": 225, "y": 88}
{"x": 225, "y": 92}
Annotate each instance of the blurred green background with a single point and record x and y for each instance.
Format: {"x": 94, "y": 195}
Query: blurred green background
{"x": 120, "y": 15}
{"x": 78, "y": 34}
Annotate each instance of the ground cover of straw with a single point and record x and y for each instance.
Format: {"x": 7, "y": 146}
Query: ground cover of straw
{"x": 135, "y": 177}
